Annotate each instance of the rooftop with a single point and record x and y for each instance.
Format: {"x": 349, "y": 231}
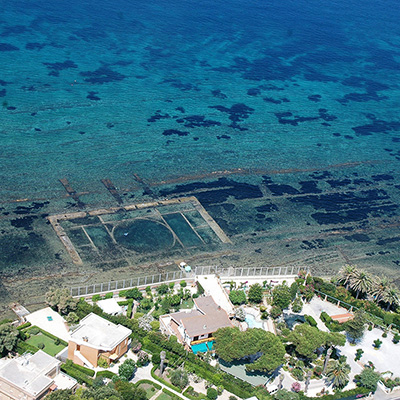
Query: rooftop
{"x": 207, "y": 318}
{"x": 28, "y": 372}
{"x": 99, "y": 333}
{"x": 110, "y": 306}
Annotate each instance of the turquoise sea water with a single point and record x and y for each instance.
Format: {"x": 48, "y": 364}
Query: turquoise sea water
{"x": 281, "y": 117}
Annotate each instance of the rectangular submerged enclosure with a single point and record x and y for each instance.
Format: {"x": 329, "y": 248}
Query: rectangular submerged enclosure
{"x": 119, "y": 234}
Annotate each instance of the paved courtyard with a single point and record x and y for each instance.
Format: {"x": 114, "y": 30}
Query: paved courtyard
{"x": 56, "y": 326}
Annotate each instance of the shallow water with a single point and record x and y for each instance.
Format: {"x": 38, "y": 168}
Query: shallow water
{"x": 281, "y": 118}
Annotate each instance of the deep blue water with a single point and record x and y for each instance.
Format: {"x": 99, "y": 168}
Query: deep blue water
{"x": 297, "y": 101}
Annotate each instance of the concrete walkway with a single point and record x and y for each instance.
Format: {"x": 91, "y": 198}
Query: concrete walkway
{"x": 212, "y": 287}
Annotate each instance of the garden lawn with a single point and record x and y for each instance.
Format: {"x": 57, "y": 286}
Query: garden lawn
{"x": 187, "y": 304}
{"x": 164, "y": 396}
{"x": 49, "y": 346}
{"x": 150, "y": 389}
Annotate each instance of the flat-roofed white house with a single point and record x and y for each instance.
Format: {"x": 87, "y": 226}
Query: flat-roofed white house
{"x": 196, "y": 325}
{"x": 95, "y": 338}
{"x": 32, "y": 376}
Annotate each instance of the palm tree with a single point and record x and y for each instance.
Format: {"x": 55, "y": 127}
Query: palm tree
{"x": 338, "y": 373}
{"x": 391, "y": 297}
{"x": 380, "y": 288}
{"x": 361, "y": 282}
{"x": 346, "y": 274}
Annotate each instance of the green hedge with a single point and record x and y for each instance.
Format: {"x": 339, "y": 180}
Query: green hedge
{"x": 86, "y": 371}
{"x": 63, "y": 342}
{"x": 105, "y": 374}
{"x": 129, "y": 310}
{"x": 23, "y": 347}
{"x": 23, "y": 326}
{"x": 156, "y": 385}
{"x": 170, "y": 394}
{"x": 80, "y": 376}
{"x": 310, "y": 320}
{"x": 170, "y": 385}
{"x": 200, "y": 396}
{"x": 338, "y": 395}
{"x": 325, "y": 317}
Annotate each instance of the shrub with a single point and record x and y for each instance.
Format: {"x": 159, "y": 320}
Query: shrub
{"x": 275, "y": 312}
{"x": 162, "y": 289}
{"x": 109, "y": 295}
{"x": 57, "y": 342}
{"x": 34, "y": 330}
{"x": 325, "y": 317}
{"x": 102, "y": 362}
{"x": 212, "y": 394}
{"x": 179, "y": 378}
{"x": 298, "y": 374}
{"x": 23, "y": 326}
{"x": 237, "y": 297}
{"x": 310, "y": 320}
{"x": 384, "y": 334}
{"x": 41, "y": 346}
{"x": 296, "y": 387}
{"x": 377, "y": 344}
{"x": 396, "y": 338}
{"x": 370, "y": 327}
{"x": 183, "y": 284}
{"x": 134, "y": 293}
{"x": 297, "y": 305}
{"x": 105, "y": 374}
{"x": 96, "y": 298}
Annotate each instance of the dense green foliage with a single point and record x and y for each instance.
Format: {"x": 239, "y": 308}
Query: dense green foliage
{"x": 355, "y": 328}
{"x": 126, "y": 369}
{"x": 212, "y": 394}
{"x": 237, "y": 297}
{"x": 255, "y": 294}
{"x": 134, "y": 293}
{"x": 61, "y": 300}
{"x": 282, "y": 296}
{"x": 231, "y": 344}
{"x": 368, "y": 379}
{"x": 338, "y": 373}
{"x": 179, "y": 378}
{"x": 284, "y": 394}
{"x": 310, "y": 320}
{"x": 8, "y": 338}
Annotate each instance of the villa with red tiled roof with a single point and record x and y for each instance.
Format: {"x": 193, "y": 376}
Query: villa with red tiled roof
{"x": 196, "y": 325}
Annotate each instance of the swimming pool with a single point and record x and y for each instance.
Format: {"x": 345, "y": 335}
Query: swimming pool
{"x": 202, "y": 347}
{"x": 251, "y": 321}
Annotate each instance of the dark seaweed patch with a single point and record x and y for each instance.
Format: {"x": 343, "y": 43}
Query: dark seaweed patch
{"x": 3, "y": 93}
{"x": 320, "y": 175}
{"x": 237, "y": 113}
{"x": 223, "y": 137}
{"x": 309, "y": 187}
{"x": 93, "y": 96}
{"x": 382, "y": 177}
{"x": 218, "y": 191}
{"x": 335, "y": 183}
{"x": 59, "y": 66}
{"x": 254, "y": 91}
{"x": 278, "y": 189}
{"x": 24, "y": 222}
{"x": 158, "y": 116}
{"x": 34, "y": 46}
{"x": 181, "y": 85}
{"x": 384, "y": 242}
{"x": 269, "y": 207}
{"x": 195, "y": 121}
{"x": 218, "y": 94}
{"x": 8, "y": 47}
{"x": 169, "y": 132}
{"x": 314, "y": 244}
{"x": 272, "y": 100}
{"x": 181, "y": 109}
{"x": 315, "y": 98}
{"x": 358, "y": 237}
{"x": 377, "y": 126}
{"x": 102, "y": 75}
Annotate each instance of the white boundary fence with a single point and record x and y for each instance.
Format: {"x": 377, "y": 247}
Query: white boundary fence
{"x": 226, "y": 272}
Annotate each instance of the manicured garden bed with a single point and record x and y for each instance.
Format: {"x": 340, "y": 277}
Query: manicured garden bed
{"x": 49, "y": 345}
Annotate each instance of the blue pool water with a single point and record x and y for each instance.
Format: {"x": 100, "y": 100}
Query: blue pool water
{"x": 251, "y": 321}
{"x": 202, "y": 347}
